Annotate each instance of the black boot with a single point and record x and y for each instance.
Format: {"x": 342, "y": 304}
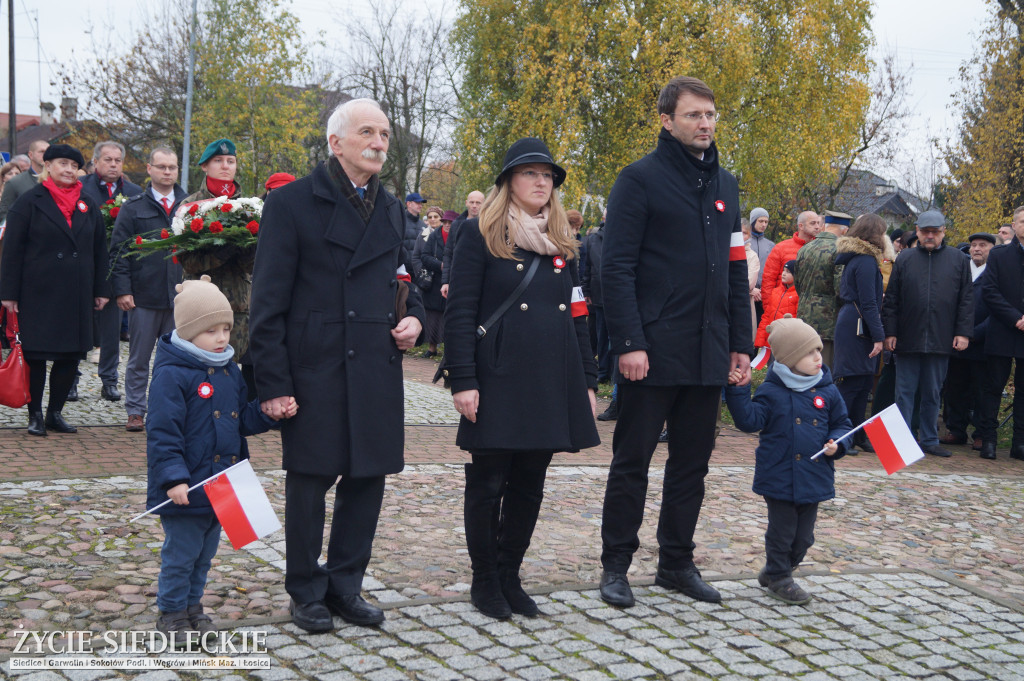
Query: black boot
{"x": 520, "y": 507}
{"x": 56, "y": 422}
{"x": 611, "y": 413}
{"x": 518, "y": 600}
{"x": 988, "y": 450}
{"x": 481, "y": 508}
{"x": 485, "y": 594}
{"x": 36, "y": 425}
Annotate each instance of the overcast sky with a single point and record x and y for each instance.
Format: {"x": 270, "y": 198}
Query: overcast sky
{"x": 936, "y": 36}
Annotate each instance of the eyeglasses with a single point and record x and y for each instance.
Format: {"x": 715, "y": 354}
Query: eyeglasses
{"x": 533, "y": 175}
{"x": 166, "y": 169}
{"x": 695, "y": 116}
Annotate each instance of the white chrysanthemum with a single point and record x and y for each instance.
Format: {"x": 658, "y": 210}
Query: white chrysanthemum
{"x": 177, "y": 225}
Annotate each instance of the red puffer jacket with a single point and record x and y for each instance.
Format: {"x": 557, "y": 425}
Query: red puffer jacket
{"x": 784, "y": 301}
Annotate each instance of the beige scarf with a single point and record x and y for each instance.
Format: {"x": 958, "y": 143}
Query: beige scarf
{"x": 529, "y": 232}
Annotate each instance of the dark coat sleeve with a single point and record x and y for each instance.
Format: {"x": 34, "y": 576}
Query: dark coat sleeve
{"x": 964, "y": 325}
{"x": 868, "y": 279}
{"x": 120, "y": 269}
{"x": 627, "y": 221}
{"x": 891, "y": 301}
{"x": 999, "y": 307}
{"x": 101, "y": 259}
{"x": 165, "y": 431}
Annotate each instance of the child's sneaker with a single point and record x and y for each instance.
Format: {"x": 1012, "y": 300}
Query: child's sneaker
{"x": 788, "y": 591}
{"x": 200, "y": 621}
{"x": 176, "y": 626}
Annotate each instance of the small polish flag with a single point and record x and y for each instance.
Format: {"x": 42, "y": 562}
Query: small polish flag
{"x": 402, "y": 274}
{"x": 241, "y": 505}
{"x": 889, "y": 435}
{"x": 579, "y": 304}
{"x": 736, "y": 250}
{"x": 760, "y": 360}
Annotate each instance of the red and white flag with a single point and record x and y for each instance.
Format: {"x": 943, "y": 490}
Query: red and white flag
{"x": 892, "y": 440}
{"x": 241, "y": 505}
{"x": 578, "y": 302}
{"x": 736, "y": 249}
{"x": 760, "y": 360}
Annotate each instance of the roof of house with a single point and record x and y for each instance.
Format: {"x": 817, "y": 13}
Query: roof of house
{"x": 51, "y": 133}
{"x": 866, "y": 192}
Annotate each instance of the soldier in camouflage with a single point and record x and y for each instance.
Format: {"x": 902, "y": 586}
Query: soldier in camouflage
{"x": 817, "y": 280}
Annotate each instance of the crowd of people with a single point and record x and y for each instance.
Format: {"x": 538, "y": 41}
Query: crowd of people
{"x": 667, "y": 298}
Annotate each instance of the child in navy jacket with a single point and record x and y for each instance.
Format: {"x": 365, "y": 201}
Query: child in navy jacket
{"x": 196, "y": 426}
{"x": 798, "y": 411}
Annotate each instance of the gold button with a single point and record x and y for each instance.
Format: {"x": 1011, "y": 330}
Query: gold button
{"x": 797, "y": 457}
{"x": 524, "y": 307}
{"x": 445, "y": 372}
{"x": 562, "y": 307}
{"x": 813, "y": 390}
{"x": 814, "y": 422}
{"x": 798, "y": 420}
{"x": 216, "y": 414}
{"x": 519, "y": 267}
{"x": 216, "y": 458}
{"x": 234, "y": 459}
{"x": 225, "y": 372}
{"x": 211, "y": 371}
{"x": 234, "y": 414}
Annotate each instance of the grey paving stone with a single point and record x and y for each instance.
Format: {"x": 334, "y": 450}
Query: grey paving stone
{"x": 363, "y": 663}
{"x": 630, "y": 670}
{"x": 569, "y": 665}
{"x": 464, "y": 662}
{"x": 514, "y": 662}
{"x": 536, "y": 673}
{"x": 387, "y": 674}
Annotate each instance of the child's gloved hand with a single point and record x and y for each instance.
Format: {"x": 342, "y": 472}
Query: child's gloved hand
{"x": 179, "y": 494}
{"x": 831, "y": 448}
{"x": 735, "y": 376}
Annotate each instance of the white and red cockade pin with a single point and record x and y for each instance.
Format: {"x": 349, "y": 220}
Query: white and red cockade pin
{"x": 559, "y": 262}
{"x": 205, "y": 390}
{"x": 720, "y": 206}
{"x": 82, "y": 207}
{"x": 819, "y": 401}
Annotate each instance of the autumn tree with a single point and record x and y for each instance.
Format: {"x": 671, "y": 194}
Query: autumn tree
{"x": 986, "y": 155}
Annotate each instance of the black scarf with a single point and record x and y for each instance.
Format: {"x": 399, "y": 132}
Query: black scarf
{"x": 363, "y": 206}
{"x": 704, "y": 170}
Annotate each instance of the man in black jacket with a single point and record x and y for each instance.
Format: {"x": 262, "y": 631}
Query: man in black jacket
{"x": 590, "y": 276}
{"x": 106, "y": 184}
{"x": 145, "y": 286}
{"x": 1002, "y": 287}
{"x": 414, "y": 225}
{"x": 928, "y": 312}
{"x": 474, "y": 200}
{"x": 674, "y": 274}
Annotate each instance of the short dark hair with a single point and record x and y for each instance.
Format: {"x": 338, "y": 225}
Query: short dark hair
{"x": 869, "y": 227}
{"x": 679, "y": 86}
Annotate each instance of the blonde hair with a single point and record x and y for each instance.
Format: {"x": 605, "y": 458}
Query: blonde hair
{"x": 494, "y": 224}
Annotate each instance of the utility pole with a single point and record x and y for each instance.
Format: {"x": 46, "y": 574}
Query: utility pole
{"x": 12, "y": 120}
{"x": 185, "y": 162}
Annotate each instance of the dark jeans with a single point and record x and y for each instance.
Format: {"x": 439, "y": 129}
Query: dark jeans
{"x": 790, "y": 533}
{"x": 997, "y": 370}
{"x": 965, "y": 384}
{"x": 354, "y": 523}
{"x": 190, "y": 543}
{"x": 918, "y": 371}
{"x": 62, "y": 375}
{"x": 690, "y": 413}
{"x": 503, "y": 497}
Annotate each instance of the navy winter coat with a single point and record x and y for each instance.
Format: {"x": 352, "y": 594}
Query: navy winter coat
{"x": 190, "y": 437}
{"x": 860, "y": 290}
{"x": 794, "y": 425}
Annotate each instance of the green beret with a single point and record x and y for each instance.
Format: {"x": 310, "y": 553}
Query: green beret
{"x": 221, "y": 147}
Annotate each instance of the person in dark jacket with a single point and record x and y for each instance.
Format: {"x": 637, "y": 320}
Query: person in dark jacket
{"x": 474, "y": 200}
{"x": 526, "y": 388}
{"x": 590, "y": 276}
{"x": 198, "y": 420}
{"x": 967, "y": 374}
{"x": 927, "y": 312}
{"x": 859, "y": 254}
{"x": 678, "y": 311}
{"x": 433, "y": 220}
{"x": 414, "y": 225}
{"x": 53, "y": 276}
{"x": 431, "y": 259}
{"x": 326, "y": 331}
{"x": 105, "y": 184}
{"x": 1002, "y": 286}
{"x": 145, "y": 286}
{"x": 798, "y": 411}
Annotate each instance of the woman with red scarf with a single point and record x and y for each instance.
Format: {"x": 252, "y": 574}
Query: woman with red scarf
{"x": 54, "y": 274}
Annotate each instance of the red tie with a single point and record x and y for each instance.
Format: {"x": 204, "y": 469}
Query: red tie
{"x": 167, "y": 204}
{"x": 110, "y": 191}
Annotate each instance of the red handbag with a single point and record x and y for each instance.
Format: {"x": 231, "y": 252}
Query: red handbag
{"x": 14, "y": 390}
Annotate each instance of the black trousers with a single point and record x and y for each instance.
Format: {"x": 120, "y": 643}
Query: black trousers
{"x": 855, "y": 391}
{"x": 790, "y": 533}
{"x": 504, "y": 492}
{"x": 690, "y": 413}
{"x": 62, "y": 375}
{"x": 997, "y": 370}
{"x": 965, "y": 381}
{"x": 356, "y": 509}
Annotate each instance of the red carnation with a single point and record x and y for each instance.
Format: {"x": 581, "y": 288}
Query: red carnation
{"x": 197, "y": 224}
{"x": 216, "y": 227}
{"x": 164, "y": 234}
{"x": 253, "y": 227}
{"x": 108, "y": 202}
{"x": 138, "y": 240}
{"x": 193, "y": 208}
{"x": 114, "y": 211}
{"x": 226, "y": 208}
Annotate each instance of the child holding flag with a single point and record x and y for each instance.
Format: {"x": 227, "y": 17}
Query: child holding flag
{"x": 197, "y": 422}
{"x": 798, "y": 410}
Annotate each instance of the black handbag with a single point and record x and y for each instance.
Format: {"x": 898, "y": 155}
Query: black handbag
{"x": 425, "y": 279}
{"x": 442, "y": 373}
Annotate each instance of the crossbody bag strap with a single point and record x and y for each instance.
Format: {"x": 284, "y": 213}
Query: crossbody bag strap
{"x": 481, "y": 330}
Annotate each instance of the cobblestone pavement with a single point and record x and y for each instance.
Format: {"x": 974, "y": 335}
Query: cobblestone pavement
{"x": 916, "y": 575}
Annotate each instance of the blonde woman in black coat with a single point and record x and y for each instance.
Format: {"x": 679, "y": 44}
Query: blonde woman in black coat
{"x": 526, "y": 388}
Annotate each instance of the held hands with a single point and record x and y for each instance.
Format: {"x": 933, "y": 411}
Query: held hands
{"x": 179, "y": 494}
{"x": 735, "y": 376}
{"x": 831, "y": 448}
{"x": 406, "y": 333}
{"x": 467, "y": 402}
{"x": 279, "y": 408}
{"x": 740, "y": 361}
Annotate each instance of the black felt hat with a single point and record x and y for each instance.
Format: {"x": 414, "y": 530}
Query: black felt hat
{"x": 64, "y": 151}
{"x": 529, "y": 150}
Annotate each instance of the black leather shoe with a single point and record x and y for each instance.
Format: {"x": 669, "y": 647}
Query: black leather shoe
{"x": 611, "y": 413}
{"x": 1017, "y": 452}
{"x": 988, "y": 450}
{"x": 56, "y": 423}
{"x": 486, "y": 596}
{"x": 936, "y": 450}
{"x": 615, "y": 590}
{"x": 111, "y": 393}
{"x": 688, "y": 582}
{"x": 953, "y": 439}
{"x": 73, "y": 393}
{"x": 313, "y": 617}
{"x": 354, "y": 610}
{"x": 36, "y": 425}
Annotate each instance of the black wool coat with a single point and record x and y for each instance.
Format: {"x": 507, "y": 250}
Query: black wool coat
{"x": 860, "y": 290}
{"x": 150, "y": 280}
{"x": 670, "y": 287}
{"x": 322, "y": 310}
{"x": 534, "y": 366}
{"x": 590, "y": 267}
{"x": 431, "y": 258}
{"x": 54, "y": 272}
{"x": 1002, "y": 288}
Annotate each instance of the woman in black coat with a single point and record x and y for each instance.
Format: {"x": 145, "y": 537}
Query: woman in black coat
{"x": 525, "y": 389}
{"x": 431, "y": 258}
{"x": 54, "y": 273}
{"x": 860, "y": 254}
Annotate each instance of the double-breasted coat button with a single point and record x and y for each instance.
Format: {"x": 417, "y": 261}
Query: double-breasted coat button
{"x": 628, "y": 342}
{"x": 394, "y": 282}
{"x": 797, "y": 457}
{"x": 74, "y": 254}
{"x": 391, "y": 359}
{"x": 524, "y": 307}
{"x": 226, "y": 372}
{"x": 351, "y": 354}
{"x": 391, "y": 316}
{"x": 798, "y": 420}
{"x": 216, "y": 458}
{"x": 519, "y": 267}
{"x": 216, "y": 414}
{"x": 445, "y": 372}
{"x": 814, "y": 422}
{"x": 60, "y": 256}
{"x": 234, "y": 414}
{"x": 234, "y": 459}
{"x": 562, "y": 307}
{"x": 210, "y": 371}
{"x": 351, "y": 314}
{"x": 558, "y": 270}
